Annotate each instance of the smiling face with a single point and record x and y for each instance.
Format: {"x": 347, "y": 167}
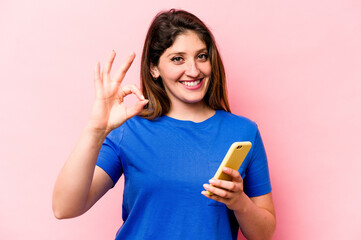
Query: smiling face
{"x": 185, "y": 70}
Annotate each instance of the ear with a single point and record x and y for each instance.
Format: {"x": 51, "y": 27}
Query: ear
{"x": 154, "y": 71}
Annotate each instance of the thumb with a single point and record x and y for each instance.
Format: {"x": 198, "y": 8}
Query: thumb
{"x": 136, "y": 109}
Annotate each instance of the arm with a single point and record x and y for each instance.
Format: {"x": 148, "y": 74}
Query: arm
{"x": 80, "y": 183}
{"x": 255, "y": 216}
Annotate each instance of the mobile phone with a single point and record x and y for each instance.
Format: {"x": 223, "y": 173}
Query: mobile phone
{"x": 233, "y": 159}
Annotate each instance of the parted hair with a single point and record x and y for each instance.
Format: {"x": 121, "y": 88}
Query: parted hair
{"x": 164, "y": 29}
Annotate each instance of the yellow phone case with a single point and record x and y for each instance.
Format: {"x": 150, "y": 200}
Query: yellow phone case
{"x": 233, "y": 159}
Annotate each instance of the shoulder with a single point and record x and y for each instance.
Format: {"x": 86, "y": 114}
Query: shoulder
{"x": 132, "y": 123}
{"x": 237, "y": 127}
{"x": 237, "y": 120}
{"x": 138, "y": 127}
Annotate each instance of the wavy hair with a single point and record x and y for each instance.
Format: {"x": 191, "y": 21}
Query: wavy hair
{"x": 163, "y": 31}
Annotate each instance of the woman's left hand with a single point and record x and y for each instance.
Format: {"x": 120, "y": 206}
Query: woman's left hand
{"x": 227, "y": 192}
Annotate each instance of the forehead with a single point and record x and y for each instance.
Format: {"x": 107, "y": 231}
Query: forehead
{"x": 187, "y": 42}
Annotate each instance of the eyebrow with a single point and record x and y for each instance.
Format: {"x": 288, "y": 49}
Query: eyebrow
{"x": 182, "y": 53}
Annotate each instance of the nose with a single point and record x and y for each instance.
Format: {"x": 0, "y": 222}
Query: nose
{"x": 192, "y": 69}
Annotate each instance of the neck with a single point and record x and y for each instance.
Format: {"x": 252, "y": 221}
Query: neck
{"x": 196, "y": 112}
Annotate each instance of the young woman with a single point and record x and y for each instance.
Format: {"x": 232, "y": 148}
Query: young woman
{"x": 169, "y": 144}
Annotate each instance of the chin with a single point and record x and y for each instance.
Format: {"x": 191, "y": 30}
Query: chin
{"x": 194, "y": 100}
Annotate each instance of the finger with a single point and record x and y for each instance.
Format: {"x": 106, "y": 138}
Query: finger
{"x": 97, "y": 71}
{"x": 214, "y": 197}
{"x": 228, "y": 185}
{"x": 97, "y": 77}
{"x": 233, "y": 173}
{"x": 109, "y": 64}
{"x": 217, "y": 191}
{"x": 119, "y": 75}
{"x": 129, "y": 89}
{"x": 136, "y": 109}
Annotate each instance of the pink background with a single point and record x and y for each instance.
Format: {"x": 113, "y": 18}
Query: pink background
{"x": 294, "y": 67}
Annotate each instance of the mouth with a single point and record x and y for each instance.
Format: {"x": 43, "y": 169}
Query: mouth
{"x": 192, "y": 83}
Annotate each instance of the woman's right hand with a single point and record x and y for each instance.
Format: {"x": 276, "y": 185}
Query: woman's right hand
{"x": 88, "y": 183}
{"x": 109, "y": 110}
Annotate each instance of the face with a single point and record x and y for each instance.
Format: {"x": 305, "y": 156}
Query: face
{"x": 185, "y": 70}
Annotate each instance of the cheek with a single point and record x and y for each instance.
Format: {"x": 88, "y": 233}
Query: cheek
{"x": 172, "y": 74}
{"x": 206, "y": 69}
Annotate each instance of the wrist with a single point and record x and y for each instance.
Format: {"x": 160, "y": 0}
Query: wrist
{"x": 243, "y": 205}
{"x": 96, "y": 132}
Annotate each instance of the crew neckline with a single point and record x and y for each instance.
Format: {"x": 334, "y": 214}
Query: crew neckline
{"x": 184, "y": 123}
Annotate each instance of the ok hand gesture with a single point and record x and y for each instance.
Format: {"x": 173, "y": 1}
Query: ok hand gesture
{"x": 109, "y": 110}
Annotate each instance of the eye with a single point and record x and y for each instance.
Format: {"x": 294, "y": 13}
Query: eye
{"x": 177, "y": 59}
{"x": 203, "y": 56}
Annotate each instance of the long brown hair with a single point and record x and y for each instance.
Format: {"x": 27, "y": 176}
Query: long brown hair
{"x": 166, "y": 26}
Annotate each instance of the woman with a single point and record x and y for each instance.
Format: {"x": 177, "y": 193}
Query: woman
{"x": 169, "y": 144}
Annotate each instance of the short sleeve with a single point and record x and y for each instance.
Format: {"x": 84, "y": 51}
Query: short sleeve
{"x": 257, "y": 180}
{"x": 109, "y": 157}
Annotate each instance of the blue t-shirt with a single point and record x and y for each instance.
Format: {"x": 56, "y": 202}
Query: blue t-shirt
{"x": 166, "y": 161}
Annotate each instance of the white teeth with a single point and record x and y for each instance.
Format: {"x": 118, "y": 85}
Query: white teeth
{"x": 191, "y": 84}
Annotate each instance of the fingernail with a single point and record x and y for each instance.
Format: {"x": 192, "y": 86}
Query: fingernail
{"x": 226, "y": 169}
{"x": 142, "y": 97}
{"x": 211, "y": 181}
